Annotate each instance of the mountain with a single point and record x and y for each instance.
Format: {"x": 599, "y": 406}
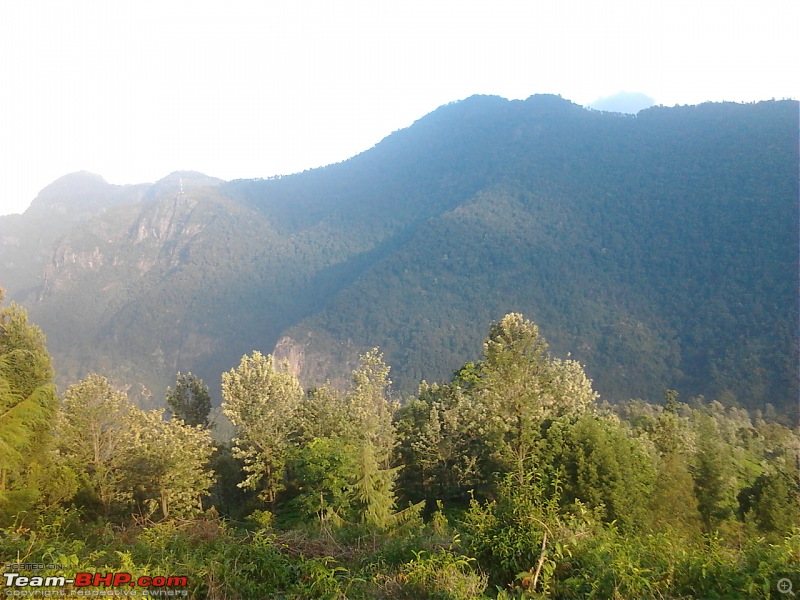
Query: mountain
{"x": 26, "y": 241}
{"x": 660, "y": 250}
{"x": 623, "y": 102}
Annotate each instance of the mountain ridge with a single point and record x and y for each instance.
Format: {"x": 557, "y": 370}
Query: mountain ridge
{"x": 576, "y": 218}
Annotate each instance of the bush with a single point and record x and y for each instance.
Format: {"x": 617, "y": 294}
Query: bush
{"x": 442, "y": 575}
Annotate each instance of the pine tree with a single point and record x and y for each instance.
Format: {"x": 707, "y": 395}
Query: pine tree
{"x": 374, "y": 489}
{"x": 371, "y": 411}
{"x": 674, "y": 503}
{"x": 596, "y": 462}
{"x": 713, "y": 471}
{"x": 369, "y": 406}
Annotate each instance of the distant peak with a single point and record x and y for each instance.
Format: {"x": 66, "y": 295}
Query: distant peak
{"x": 69, "y": 186}
{"x": 194, "y": 177}
{"x": 181, "y": 181}
{"x": 79, "y": 177}
{"x": 623, "y": 102}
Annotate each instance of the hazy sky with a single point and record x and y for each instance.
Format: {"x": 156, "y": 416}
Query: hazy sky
{"x": 133, "y": 90}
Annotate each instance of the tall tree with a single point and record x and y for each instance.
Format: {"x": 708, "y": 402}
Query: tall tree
{"x": 674, "y": 503}
{"x": 325, "y": 456}
{"x": 520, "y": 385}
{"x": 371, "y": 411}
{"x": 713, "y": 472}
{"x": 773, "y": 501}
{"x": 374, "y": 488}
{"x": 369, "y": 404}
{"x": 260, "y": 400}
{"x": 27, "y": 408}
{"x": 323, "y": 472}
{"x": 323, "y": 413}
{"x": 190, "y": 401}
{"x": 94, "y": 435}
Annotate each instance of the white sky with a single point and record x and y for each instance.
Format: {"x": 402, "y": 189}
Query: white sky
{"x": 133, "y": 90}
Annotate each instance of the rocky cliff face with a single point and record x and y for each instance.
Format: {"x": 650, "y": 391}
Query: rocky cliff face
{"x": 318, "y": 358}
{"x": 103, "y": 271}
{"x": 29, "y": 243}
{"x": 154, "y": 230}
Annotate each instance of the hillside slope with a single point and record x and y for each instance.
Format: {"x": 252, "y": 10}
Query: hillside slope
{"x": 660, "y": 250}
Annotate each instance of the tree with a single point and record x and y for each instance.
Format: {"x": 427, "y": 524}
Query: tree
{"x": 190, "y": 401}
{"x": 371, "y": 411}
{"x": 324, "y": 460}
{"x": 374, "y": 489}
{"x": 170, "y": 462}
{"x": 598, "y": 464}
{"x": 442, "y": 444}
{"x": 323, "y": 473}
{"x": 22, "y": 423}
{"x": 29, "y": 364}
{"x": 713, "y": 472}
{"x": 674, "y": 503}
{"x": 773, "y": 501}
{"x": 260, "y": 400}
{"x": 94, "y": 430}
{"x": 369, "y": 406}
{"x": 520, "y": 386}
{"x": 323, "y": 413}
{"x": 28, "y": 402}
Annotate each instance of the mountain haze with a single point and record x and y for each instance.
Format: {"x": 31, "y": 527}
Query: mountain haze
{"x": 660, "y": 250}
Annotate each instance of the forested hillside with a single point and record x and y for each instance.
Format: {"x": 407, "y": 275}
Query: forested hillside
{"x": 660, "y": 250}
{"x": 507, "y": 480}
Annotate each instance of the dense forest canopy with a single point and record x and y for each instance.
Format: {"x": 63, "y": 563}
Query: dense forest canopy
{"x": 659, "y": 250}
{"x": 507, "y": 480}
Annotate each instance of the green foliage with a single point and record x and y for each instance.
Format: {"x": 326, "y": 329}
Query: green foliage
{"x": 773, "y": 501}
{"x": 370, "y": 410}
{"x": 95, "y": 438}
{"x": 226, "y": 495}
{"x": 27, "y": 409}
{"x": 323, "y": 413}
{"x": 610, "y": 565}
{"x": 513, "y": 533}
{"x": 596, "y": 463}
{"x": 323, "y": 472}
{"x": 369, "y": 406}
{"x": 520, "y": 386}
{"x": 125, "y": 456}
{"x": 190, "y": 401}
{"x": 27, "y": 363}
{"x": 714, "y": 474}
{"x": 673, "y": 504}
{"x": 442, "y": 444}
{"x": 168, "y": 464}
{"x": 373, "y": 490}
{"x": 260, "y": 401}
